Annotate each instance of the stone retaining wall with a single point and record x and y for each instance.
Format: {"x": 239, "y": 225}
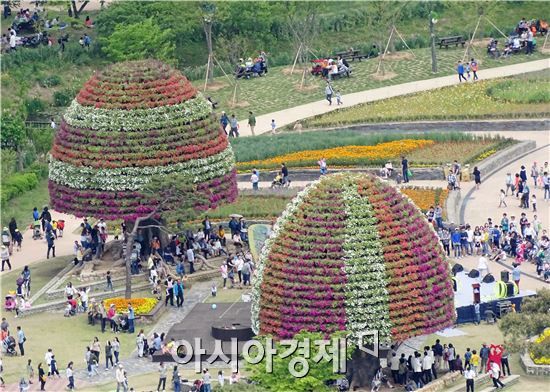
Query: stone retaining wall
{"x": 502, "y": 158}
{"x": 531, "y": 368}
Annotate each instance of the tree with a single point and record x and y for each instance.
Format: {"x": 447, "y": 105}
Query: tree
{"x": 78, "y": 10}
{"x": 533, "y": 319}
{"x": 138, "y": 41}
{"x": 208, "y": 14}
{"x": 175, "y": 199}
{"x": 303, "y": 21}
{"x": 281, "y": 380}
{"x": 14, "y": 135}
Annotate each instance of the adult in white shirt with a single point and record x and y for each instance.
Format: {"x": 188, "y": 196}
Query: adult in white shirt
{"x": 239, "y": 262}
{"x": 191, "y": 259}
{"x": 427, "y": 362}
{"x": 417, "y": 369}
{"x": 482, "y": 267}
{"x": 394, "y": 367}
{"x": 495, "y": 374}
{"x": 469, "y": 375}
{"x": 12, "y": 41}
{"x": 470, "y": 238}
{"x": 120, "y": 379}
{"x": 48, "y": 359}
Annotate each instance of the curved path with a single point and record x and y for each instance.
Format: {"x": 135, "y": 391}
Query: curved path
{"x": 291, "y": 115}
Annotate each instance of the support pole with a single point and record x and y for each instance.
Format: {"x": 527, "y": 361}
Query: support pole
{"x": 473, "y": 37}
{"x": 405, "y": 43}
{"x": 296, "y": 58}
{"x": 385, "y": 50}
{"x": 303, "y": 78}
{"x": 235, "y": 93}
{"x": 219, "y": 65}
{"x": 207, "y": 72}
{"x": 492, "y": 24}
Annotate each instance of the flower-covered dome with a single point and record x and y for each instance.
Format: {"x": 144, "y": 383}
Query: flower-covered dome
{"x": 352, "y": 253}
{"x": 131, "y": 122}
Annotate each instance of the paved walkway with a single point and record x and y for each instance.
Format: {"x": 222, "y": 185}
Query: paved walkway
{"x": 291, "y": 115}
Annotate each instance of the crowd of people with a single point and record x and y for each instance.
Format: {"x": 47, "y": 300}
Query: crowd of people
{"x": 422, "y": 367}
{"x": 251, "y": 67}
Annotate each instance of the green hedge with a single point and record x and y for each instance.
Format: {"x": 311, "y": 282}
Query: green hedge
{"x": 18, "y": 183}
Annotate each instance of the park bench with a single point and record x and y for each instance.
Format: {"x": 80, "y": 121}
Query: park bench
{"x": 456, "y": 40}
{"x": 351, "y": 55}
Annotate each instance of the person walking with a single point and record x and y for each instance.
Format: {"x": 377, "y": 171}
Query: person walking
{"x": 41, "y": 377}
{"x": 477, "y": 177}
{"x": 502, "y": 199}
{"x": 21, "y": 339}
{"x": 495, "y": 374}
{"x": 469, "y": 375}
{"x": 405, "y": 169}
{"x": 30, "y": 371}
{"x": 509, "y": 183}
{"x": 116, "y": 348}
{"x": 328, "y": 92}
{"x": 477, "y": 312}
{"x": 5, "y": 255}
{"x": 224, "y": 122}
{"x": 474, "y": 67}
{"x": 516, "y": 274}
{"x": 273, "y": 127}
{"x": 251, "y": 122}
{"x": 50, "y": 238}
{"x": 460, "y": 71}
{"x": 206, "y": 379}
{"x": 121, "y": 379}
{"x": 108, "y": 355}
{"x": 176, "y": 380}
{"x": 162, "y": 377}
{"x": 234, "y": 126}
{"x": 484, "y": 354}
{"x": 140, "y": 342}
{"x": 131, "y": 318}
{"x": 70, "y": 376}
{"x": 255, "y": 179}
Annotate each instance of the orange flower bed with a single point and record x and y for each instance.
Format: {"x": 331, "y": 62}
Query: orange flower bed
{"x": 424, "y": 198}
{"x": 344, "y": 155}
{"x": 140, "y": 305}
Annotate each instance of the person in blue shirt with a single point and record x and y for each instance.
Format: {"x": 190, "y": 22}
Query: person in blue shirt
{"x": 21, "y": 339}
{"x": 460, "y": 71}
{"x": 455, "y": 238}
{"x": 131, "y": 318}
{"x": 35, "y": 214}
{"x": 224, "y": 121}
{"x": 496, "y": 237}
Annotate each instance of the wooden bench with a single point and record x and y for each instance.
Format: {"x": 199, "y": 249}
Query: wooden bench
{"x": 350, "y": 55}
{"x": 456, "y": 40}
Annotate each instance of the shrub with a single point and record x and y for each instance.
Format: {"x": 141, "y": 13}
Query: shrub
{"x": 50, "y": 81}
{"x": 16, "y": 184}
{"x": 63, "y": 97}
{"x": 34, "y": 106}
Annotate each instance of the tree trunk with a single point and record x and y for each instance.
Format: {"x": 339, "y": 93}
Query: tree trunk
{"x": 19, "y": 153}
{"x": 77, "y": 11}
{"x": 361, "y": 368}
{"x": 207, "y": 24}
{"x": 128, "y": 257}
{"x": 432, "y": 37}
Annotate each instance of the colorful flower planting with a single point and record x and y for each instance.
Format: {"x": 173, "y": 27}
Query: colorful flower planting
{"x": 140, "y": 305}
{"x": 129, "y": 123}
{"x": 345, "y": 155}
{"x": 424, "y": 197}
{"x": 540, "y": 349}
{"x": 351, "y": 253}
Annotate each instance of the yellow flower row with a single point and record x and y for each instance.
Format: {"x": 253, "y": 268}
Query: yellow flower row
{"x": 380, "y": 151}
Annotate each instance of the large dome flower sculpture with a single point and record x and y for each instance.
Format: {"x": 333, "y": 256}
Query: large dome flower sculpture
{"x": 351, "y": 253}
{"x": 129, "y": 123}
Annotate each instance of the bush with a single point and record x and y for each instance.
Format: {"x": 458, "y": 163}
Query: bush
{"x": 34, "y": 106}
{"x": 17, "y": 184}
{"x": 521, "y": 91}
{"x": 50, "y": 81}
{"x": 63, "y": 97}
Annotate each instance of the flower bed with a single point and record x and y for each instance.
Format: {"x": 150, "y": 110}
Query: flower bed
{"x": 352, "y": 253}
{"x": 346, "y": 155}
{"x": 140, "y": 305}
{"x": 130, "y": 123}
{"x": 424, "y": 197}
{"x": 540, "y": 349}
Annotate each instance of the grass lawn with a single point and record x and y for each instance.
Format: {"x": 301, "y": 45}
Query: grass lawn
{"x": 41, "y": 273}
{"x": 21, "y": 207}
{"x": 67, "y": 336}
{"x": 503, "y": 98}
{"x": 260, "y": 206}
{"x": 484, "y": 333}
{"x": 228, "y": 295}
{"x": 280, "y": 90}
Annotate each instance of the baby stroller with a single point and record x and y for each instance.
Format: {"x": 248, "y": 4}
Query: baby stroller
{"x": 10, "y": 303}
{"x": 8, "y": 346}
{"x": 36, "y": 232}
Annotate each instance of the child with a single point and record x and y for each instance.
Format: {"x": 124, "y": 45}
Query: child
{"x": 468, "y": 70}
{"x": 60, "y": 228}
{"x": 502, "y": 197}
{"x": 214, "y": 289}
{"x": 339, "y": 98}
{"x": 54, "y": 229}
{"x": 221, "y": 379}
{"x": 273, "y": 126}
{"x": 18, "y": 238}
{"x": 534, "y": 202}
{"x": 109, "y": 282}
